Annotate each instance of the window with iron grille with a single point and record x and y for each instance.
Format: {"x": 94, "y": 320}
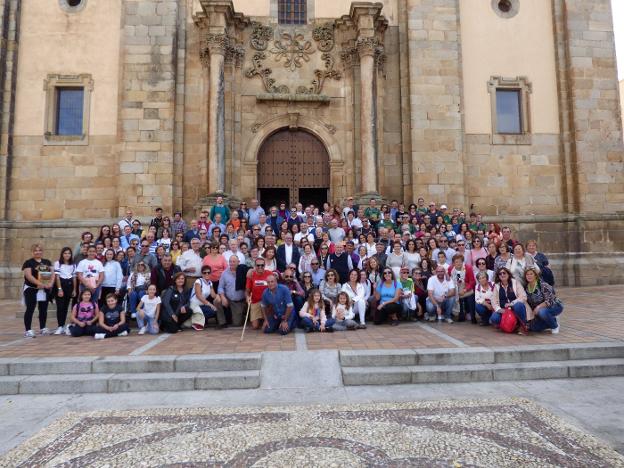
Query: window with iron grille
{"x": 292, "y": 12}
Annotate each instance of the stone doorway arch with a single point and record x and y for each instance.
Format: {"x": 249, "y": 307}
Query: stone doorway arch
{"x": 293, "y": 166}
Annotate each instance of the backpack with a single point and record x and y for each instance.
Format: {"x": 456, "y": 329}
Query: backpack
{"x": 508, "y": 321}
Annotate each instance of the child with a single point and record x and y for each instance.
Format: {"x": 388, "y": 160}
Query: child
{"x": 148, "y": 311}
{"x": 343, "y": 314}
{"x": 312, "y": 314}
{"x": 408, "y": 301}
{"x": 442, "y": 260}
{"x": 111, "y": 319}
{"x": 84, "y": 315}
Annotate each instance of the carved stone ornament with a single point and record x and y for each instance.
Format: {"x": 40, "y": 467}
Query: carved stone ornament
{"x": 255, "y": 127}
{"x": 321, "y": 76}
{"x": 330, "y": 128}
{"x": 212, "y": 43}
{"x": 349, "y": 57}
{"x": 293, "y": 48}
{"x": 324, "y": 35}
{"x": 260, "y": 36}
{"x": 235, "y": 54}
{"x": 367, "y": 46}
{"x": 258, "y": 69}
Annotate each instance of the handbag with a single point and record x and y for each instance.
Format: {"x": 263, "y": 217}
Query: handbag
{"x": 508, "y": 321}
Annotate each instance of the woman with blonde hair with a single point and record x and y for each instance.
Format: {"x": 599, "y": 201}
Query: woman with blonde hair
{"x": 544, "y": 302}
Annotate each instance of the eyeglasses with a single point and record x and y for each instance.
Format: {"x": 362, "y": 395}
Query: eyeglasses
{"x": 461, "y": 245}
{"x": 330, "y": 274}
{"x": 502, "y": 273}
{"x": 259, "y": 265}
{"x": 288, "y": 277}
{"x": 202, "y": 217}
{"x": 206, "y": 272}
{"x": 243, "y": 203}
{"x": 144, "y": 245}
{"x": 307, "y": 276}
{"x": 387, "y": 272}
{"x": 256, "y": 229}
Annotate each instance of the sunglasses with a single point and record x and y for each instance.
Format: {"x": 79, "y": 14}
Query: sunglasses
{"x": 288, "y": 277}
{"x": 206, "y": 272}
{"x": 502, "y": 273}
{"x": 259, "y": 265}
{"x": 387, "y": 273}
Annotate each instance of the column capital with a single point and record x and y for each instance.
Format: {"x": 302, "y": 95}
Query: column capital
{"x": 211, "y": 44}
{"x": 367, "y": 46}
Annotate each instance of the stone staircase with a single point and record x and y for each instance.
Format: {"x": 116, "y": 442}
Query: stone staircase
{"x": 387, "y": 367}
{"x": 129, "y": 374}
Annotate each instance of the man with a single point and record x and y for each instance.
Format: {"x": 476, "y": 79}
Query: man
{"x": 318, "y": 273}
{"x": 255, "y": 211}
{"x": 144, "y": 255}
{"x": 443, "y": 247}
{"x": 296, "y": 291}
{"x": 86, "y": 238}
{"x": 162, "y": 275}
{"x": 446, "y": 216}
{"x": 137, "y": 230}
{"x": 275, "y": 220}
{"x": 204, "y": 222}
{"x": 220, "y": 208}
{"x": 157, "y": 221}
{"x": 373, "y": 213}
{"x": 151, "y": 239}
{"x": 349, "y": 207}
{"x": 257, "y": 282}
{"x": 421, "y": 208}
{"x": 387, "y": 222}
{"x": 127, "y": 237}
{"x": 336, "y": 233}
{"x": 231, "y": 297}
{"x": 350, "y": 247}
{"x": 178, "y": 224}
{"x": 277, "y": 307}
{"x": 381, "y": 255}
{"x": 433, "y": 211}
{"x": 441, "y": 297}
{"x": 341, "y": 262}
{"x": 367, "y": 228}
{"x": 127, "y": 221}
{"x": 193, "y": 232}
{"x": 507, "y": 238}
{"x": 262, "y": 224}
{"x": 233, "y": 252}
{"x": 190, "y": 263}
{"x": 216, "y": 224}
{"x": 287, "y": 253}
{"x": 294, "y": 218}
{"x": 353, "y": 222}
{"x": 394, "y": 208}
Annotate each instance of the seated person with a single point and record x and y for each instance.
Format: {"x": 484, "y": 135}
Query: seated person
{"x": 312, "y": 314}
{"x": 84, "y": 316}
{"x": 148, "y": 312}
{"x": 544, "y": 302}
{"x": 277, "y": 307}
{"x": 204, "y": 302}
{"x": 175, "y": 305}
{"x": 441, "y": 297}
{"x": 483, "y": 297}
{"x": 111, "y": 319}
{"x": 343, "y": 314}
{"x": 509, "y": 294}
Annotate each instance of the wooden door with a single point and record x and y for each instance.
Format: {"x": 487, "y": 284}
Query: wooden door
{"x": 293, "y": 160}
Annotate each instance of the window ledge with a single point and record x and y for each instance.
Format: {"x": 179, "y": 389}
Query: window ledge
{"x": 65, "y": 140}
{"x": 512, "y": 139}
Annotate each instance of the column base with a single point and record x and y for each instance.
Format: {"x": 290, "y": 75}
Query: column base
{"x": 364, "y": 198}
{"x": 205, "y": 203}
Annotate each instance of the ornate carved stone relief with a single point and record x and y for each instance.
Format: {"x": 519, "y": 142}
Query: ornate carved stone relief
{"x": 260, "y": 36}
{"x": 293, "y": 48}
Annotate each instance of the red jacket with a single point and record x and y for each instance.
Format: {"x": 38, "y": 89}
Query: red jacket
{"x": 471, "y": 282}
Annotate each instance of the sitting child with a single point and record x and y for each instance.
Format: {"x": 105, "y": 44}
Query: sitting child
{"x": 111, "y": 319}
{"x": 84, "y": 315}
{"x": 148, "y": 311}
{"x": 312, "y": 314}
{"x": 408, "y": 299}
{"x": 343, "y": 314}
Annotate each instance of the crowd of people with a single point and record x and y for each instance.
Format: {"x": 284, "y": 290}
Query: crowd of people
{"x": 323, "y": 269}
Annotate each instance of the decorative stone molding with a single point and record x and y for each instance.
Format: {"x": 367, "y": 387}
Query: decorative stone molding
{"x": 321, "y": 76}
{"x": 260, "y": 36}
{"x": 293, "y": 48}
{"x": 324, "y": 35}
{"x": 235, "y": 53}
{"x": 258, "y": 69}
{"x": 330, "y": 128}
{"x": 213, "y": 43}
{"x": 349, "y": 57}
{"x": 367, "y": 46}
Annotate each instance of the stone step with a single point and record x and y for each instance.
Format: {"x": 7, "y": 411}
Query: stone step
{"x": 132, "y": 382}
{"x": 483, "y": 372}
{"x": 454, "y": 356}
{"x": 130, "y": 364}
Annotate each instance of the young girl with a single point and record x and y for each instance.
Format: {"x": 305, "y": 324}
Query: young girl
{"x": 343, "y": 314}
{"x": 312, "y": 314}
{"x": 408, "y": 301}
{"x": 84, "y": 315}
{"x": 111, "y": 319}
{"x": 66, "y": 287}
{"x": 148, "y": 311}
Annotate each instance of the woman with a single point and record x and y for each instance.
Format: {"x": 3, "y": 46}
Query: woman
{"x": 204, "y": 300}
{"x": 216, "y": 263}
{"x": 503, "y": 257}
{"x": 461, "y": 235}
{"x": 541, "y": 261}
{"x": 175, "y": 305}
{"x": 412, "y": 257}
{"x": 306, "y": 284}
{"x": 464, "y": 280}
{"x": 431, "y": 244}
{"x": 305, "y": 261}
{"x": 477, "y": 252}
{"x": 65, "y": 277}
{"x": 490, "y": 259}
{"x": 371, "y": 245}
{"x": 542, "y": 299}
{"x": 313, "y": 315}
{"x": 483, "y": 298}
{"x": 260, "y": 243}
{"x": 396, "y": 259}
{"x": 509, "y": 294}
{"x": 105, "y": 232}
{"x": 374, "y": 272}
{"x": 330, "y": 287}
{"x": 165, "y": 225}
{"x": 427, "y": 268}
{"x": 469, "y": 237}
{"x": 519, "y": 262}
{"x": 39, "y": 278}
{"x": 165, "y": 239}
{"x": 116, "y": 245}
{"x": 357, "y": 296}
{"x": 363, "y": 257}
{"x": 494, "y": 234}
{"x": 115, "y": 231}
{"x": 420, "y": 289}
{"x": 388, "y": 294}
{"x": 270, "y": 263}
{"x": 175, "y": 251}
{"x": 113, "y": 277}
{"x": 482, "y": 267}
{"x": 138, "y": 281}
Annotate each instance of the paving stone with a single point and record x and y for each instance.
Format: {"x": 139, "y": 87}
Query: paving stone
{"x": 596, "y": 368}
{"x": 116, "y": 365}
{"x": 9, "y": 385}
{"x": 380, "y": 357}
{"x": 51, "y": 365}
{"x": 152, "y": 382}
{"x": 454, "y": 356}
{"x": 376, "y": 375}
{"x": 227, "y": 380}
{"x": 74, "y": 383}
{"x": 220, "y": 362}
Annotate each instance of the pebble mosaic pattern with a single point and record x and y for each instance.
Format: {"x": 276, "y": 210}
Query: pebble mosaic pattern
{"x": 463, "y": 433}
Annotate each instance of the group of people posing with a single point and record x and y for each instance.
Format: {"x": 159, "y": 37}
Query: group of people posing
{"x": 323, "y": 269}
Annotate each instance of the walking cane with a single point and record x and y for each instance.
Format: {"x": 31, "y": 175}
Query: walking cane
{"x": 246, "y": 317}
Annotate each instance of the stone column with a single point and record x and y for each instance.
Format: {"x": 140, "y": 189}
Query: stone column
{"x": 366, "y": 50}
{"x": 216, "y": 44}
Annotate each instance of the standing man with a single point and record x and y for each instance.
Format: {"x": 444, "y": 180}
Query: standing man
{"x": 254, "y": 211}
{"x": 220, "y": 208}
{"x": 157, "y": 221}
{"x": 178, "y": 224}
{"x": 127, "y": 221}
{"x": 341, "y": 262}
{"x": 234, "y": 251}
{"x": 287, "y": 253}
{"x": 190, "y": 263}
{"x": 373, "y": 213}
{"x": 127, "y": 237}
{"x": 257, "y": 282}
{"x": 193, "y": 232}
{"x": 232, "y": 298}
{"x": 277, "y": 306}
{"x": 336, "y": 233}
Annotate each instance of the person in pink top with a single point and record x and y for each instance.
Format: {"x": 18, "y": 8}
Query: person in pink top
{"x": 463, "y": 276}
{"x": 478, "y": 251}
{"x": 216, "y": 262}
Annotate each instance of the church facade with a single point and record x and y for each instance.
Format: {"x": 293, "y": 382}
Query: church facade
{"x": 509, "y": 108}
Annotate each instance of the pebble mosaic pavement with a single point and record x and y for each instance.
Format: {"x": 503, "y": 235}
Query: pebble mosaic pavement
{"x": 462, "y": 433}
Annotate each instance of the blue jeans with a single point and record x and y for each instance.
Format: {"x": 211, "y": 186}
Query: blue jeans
{"x": 446, "y": 306}
{"x": 546, "y": 318}
{"x": 308, "y": 324}
{"x": 274, "y": 323}
{"x": 149, "y": 322}
{"x": 519, "y": 311}
{"x": 134, "y": 298}
{"x": 484, "y": 313}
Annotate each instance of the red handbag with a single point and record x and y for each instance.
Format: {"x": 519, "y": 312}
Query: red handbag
{"x": 508, "y": 321}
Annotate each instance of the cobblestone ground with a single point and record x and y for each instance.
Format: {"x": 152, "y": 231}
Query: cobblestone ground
{"x": 511, "y": 432}
{"x": 591, "y": 315}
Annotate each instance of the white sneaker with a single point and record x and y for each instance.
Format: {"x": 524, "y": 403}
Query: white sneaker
{"x": 555, "y": 331}
{"x": 123, "y": 333}
{"x": 142, "y": 330}
{"x": 67, "y": 331}
{"x": 60, "y": 331}
{"x": 440, "y": 319}
{"x": 29, "y": 334}
{"x": 99, "y": 336}
{"x": 133, "y": 315}
{"x": 45, "y": 331}
{"x": 449, "y": 320}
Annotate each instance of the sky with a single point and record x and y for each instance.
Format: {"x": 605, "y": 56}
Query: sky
{"x": 618, "y": 28}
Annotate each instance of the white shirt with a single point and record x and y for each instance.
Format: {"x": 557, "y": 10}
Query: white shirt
{"x": 149, "y": 305}
{"x": 90, "y": 268}
{"x": 288, "y": 251}
{"x": 439, "y": 288}
{"x": 228, "y": 253}
{"x": 206, "y": 288}
{"x": 64, "y": 271}
{"x": 190, "y": 259}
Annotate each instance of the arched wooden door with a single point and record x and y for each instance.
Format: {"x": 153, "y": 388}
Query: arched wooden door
{"x": 293, "y": 165}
